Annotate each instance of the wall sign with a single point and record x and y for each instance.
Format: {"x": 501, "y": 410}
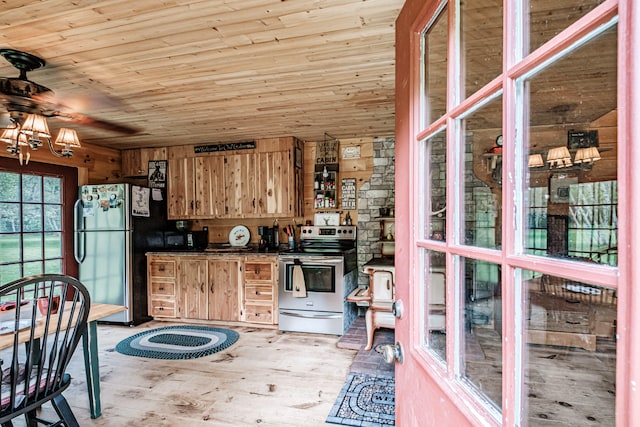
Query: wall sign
{"x": 348, "y": 193}
{"x": 157, "y": 173}
{"x": 224, "y": 147}
{"x": 351, "y": 152}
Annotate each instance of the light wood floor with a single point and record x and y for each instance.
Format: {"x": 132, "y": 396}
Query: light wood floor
{"x": 267, "y": 378}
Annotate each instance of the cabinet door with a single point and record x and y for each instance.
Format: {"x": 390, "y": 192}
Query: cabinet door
{"x": 240, "y": 185}
{"x": 224, "y": 282}
{"x": 135, "y": 162}
{"x": 192, "y": 282}
{"x": 180, "y": 183}
{"x": 209, "y": 187}
{"x": 275, "y": 184}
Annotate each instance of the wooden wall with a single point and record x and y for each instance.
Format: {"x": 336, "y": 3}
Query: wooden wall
{"x": 96, "y": 165}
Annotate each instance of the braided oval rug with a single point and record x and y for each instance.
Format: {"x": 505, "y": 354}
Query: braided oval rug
{"x": 178, "y": 342}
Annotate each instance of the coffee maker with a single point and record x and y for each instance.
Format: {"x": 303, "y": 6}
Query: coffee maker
{"x": 269, "y": 238}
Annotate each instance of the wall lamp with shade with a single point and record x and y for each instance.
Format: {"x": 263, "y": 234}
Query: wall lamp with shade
{"x": 32, "y": 133}
{"x": 560, "y": 157}
{"x": 587, "y": 155}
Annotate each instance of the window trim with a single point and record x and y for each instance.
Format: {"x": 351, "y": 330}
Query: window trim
{"x": 69, "y": 176}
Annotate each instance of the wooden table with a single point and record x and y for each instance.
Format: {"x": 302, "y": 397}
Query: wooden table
{"x": 90, "y": 350}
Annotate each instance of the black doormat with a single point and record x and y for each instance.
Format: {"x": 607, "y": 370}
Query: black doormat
{"x": 365, "y": 400}
{"x": 177, "y": 342}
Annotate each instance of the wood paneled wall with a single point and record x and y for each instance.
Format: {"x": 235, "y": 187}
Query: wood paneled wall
{"x": 96, "y": 165}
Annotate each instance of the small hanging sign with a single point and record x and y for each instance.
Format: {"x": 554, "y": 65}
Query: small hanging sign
{"x": 348, "y": 193}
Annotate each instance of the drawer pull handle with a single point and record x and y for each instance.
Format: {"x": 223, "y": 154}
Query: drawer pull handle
{"x": 257, "y": 293}
{"x": 162, "y": 289}
{"x": 257, "y": 271}
{"x": 161, "y": 268}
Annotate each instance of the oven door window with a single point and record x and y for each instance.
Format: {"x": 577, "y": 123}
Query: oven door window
{"x": 317, "y": 278}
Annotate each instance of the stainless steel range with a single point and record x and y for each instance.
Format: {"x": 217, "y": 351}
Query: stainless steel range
{"x": 328, "y": 260}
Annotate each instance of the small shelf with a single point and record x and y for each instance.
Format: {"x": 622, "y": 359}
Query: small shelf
{"x": 325, "y": 190}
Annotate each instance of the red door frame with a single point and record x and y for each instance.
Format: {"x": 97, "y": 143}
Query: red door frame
{"x": 424, "y": 395}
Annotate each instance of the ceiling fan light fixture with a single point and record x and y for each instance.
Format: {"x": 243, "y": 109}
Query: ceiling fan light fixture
{"x": 35, "y": 127}
{"x": 68, "y": 139}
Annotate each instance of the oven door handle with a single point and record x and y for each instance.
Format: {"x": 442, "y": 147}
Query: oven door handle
{"x": 311, "y": 316}
{"x": 314, "y": 261}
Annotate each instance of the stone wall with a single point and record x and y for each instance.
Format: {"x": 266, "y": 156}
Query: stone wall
{"x": 378, "y": 192}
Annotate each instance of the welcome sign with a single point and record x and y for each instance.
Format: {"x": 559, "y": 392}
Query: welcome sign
{"x": 224, "y": 147}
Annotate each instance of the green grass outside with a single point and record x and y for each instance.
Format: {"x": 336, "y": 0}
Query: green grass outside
{"x": 11, "y": 259}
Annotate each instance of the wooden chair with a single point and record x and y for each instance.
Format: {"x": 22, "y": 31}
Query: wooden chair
{"x": 42, "y": 319}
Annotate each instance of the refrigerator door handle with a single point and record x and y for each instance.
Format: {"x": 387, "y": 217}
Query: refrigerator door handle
{"x": 79, "y": 235}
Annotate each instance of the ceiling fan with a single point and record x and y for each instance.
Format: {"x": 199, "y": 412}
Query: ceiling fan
{"x": 21, "y": 97}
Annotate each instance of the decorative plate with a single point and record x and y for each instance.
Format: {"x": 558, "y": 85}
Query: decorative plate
{"x": 239, "y": 236}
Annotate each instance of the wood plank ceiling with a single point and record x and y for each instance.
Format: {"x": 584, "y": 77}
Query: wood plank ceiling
{"x": 207, "y": 71}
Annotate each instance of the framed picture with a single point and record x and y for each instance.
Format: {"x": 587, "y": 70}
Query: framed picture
{"x": 582, "y": 139}
{"x": 157, "y": 173}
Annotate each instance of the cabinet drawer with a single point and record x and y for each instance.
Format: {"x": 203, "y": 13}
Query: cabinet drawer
{"x": 259, "y": 313}
{"x": 163, "y": 288}
{"x": 259, "y": 271}
{"x": 258, "y": 293}
{"x": 163, "y": 268}
{"x": 163, "y": 308}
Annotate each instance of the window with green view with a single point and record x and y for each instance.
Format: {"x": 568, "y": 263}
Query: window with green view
{"x": 30, "y": 225}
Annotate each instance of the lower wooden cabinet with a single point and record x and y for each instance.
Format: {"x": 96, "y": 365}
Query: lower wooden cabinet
{"x": 161, "y": 279}
{"x": 223, "y": 291}
{"x": 214, "y": 287}
{"x": 260, "y": 280}
{"x": 192, "y": 282}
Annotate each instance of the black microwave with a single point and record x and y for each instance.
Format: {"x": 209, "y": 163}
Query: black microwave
{"x": 189, "y": 240}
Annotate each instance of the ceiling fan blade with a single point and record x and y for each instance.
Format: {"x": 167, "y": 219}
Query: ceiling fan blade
{"x": 83, "y": 120}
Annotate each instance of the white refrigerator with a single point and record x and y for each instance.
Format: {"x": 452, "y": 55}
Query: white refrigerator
{"x": 105, "y": 217}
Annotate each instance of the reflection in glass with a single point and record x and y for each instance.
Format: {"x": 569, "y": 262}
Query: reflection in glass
{"x": 571, "y": 211}
{"x": 52, "y": 217}
{"x": 32, "y": 268}
{"x": 435, "y": 155}
{"x": 10, "y": 272}
{"x": 571, "y": 351}
{"x": 435, "y": 69}
{"x": 548, "y": 19}
{"x": 31, "y": 188}
{"x": 10, "y": 218}
{"x": 52, "y": 190}
{"x": 482, "y": 337}
{"x": 435, "y": 295}
{"x": 32, "y": 243}
{"x": 53, "y": 245}
{"x": 481, "y": 24}
{"x": 32, "y": 217}
{"x": 9, "y": 187}
{"x": 53, "y": 266}
{"x": 9, "y": 247}
{"x": 483, "y": 175}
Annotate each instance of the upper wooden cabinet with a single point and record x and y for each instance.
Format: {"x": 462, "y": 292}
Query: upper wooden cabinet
{"x": 261, "y": 182}
{"x": 135, "y": 162}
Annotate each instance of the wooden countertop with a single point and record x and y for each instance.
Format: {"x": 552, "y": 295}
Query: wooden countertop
{"x": 239, "y": 252}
